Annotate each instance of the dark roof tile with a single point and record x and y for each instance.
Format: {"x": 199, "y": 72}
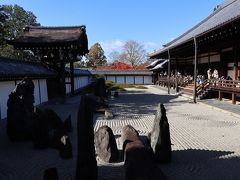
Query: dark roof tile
{"x": 11, "y": 68}
{"x": 225, "y": 13}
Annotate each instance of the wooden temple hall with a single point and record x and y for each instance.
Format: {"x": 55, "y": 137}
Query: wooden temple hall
{"x": 55, "y": 46}
{"x": 212, "y": 43}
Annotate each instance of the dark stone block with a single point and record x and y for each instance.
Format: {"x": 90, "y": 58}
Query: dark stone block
{"x": 50, "y": 131}
{"x": 100, "y": 88}
{"x": 54, "y": 121}
{"x": 65, "y": 148}
{"x": 139, "y": 161}
{"x": 68, "y": 124}
{"x": 109, "y": 93}
{"x": 41, "y": 137}
{"x": 105, "y": 143}
{"x": 160, "y": 137}
{"x": 20, "y": 111}
{"x": 129, "y": 134}
{"x": 116, "y": 94}
{"x": 86, "y": 160}
{"x": 43, "y": 127}
{"x": 50, "y": 174}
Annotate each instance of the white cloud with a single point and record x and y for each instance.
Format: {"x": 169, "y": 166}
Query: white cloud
{"x": 115, "y": 45}
{"x": 151, "y": 46}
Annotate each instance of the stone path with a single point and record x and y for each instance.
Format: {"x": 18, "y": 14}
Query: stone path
{"x": 205, "y": 141}
{"x": 224, "y": 105}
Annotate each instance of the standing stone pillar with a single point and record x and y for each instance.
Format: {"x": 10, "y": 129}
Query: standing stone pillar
{"x": 86, "y": 160}
{"x": 160, "y": 137}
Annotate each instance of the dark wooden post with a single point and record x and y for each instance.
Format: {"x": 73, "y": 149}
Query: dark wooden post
{"x": 72, "y": 78}
{"x": 62, "y": 78}
{"x": 169, "y": 70}
{"x": 195, "y": 72}
{"x": 219, "y": 95}
{"x": 235, "y": 68}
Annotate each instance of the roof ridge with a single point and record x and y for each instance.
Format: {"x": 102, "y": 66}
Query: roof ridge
{"x": 20, "y": 61}
{"x": 56, "y": 27}
{"x": 221, "y": 7}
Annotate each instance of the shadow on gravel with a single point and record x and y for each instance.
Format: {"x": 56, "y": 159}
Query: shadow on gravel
{"x": 111, "y": 172}
{"x": 138, "y": 102}
{"x": 202, "y": 164}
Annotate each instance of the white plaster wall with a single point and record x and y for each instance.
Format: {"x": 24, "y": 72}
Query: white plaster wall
{"x": 68, "y": 86}
{"x": 43, "y": 90}
{"x": 84, "y": 81}
{"x": 129, "y": 80}
{"x": 120, "y": 80}
{"x": 6, "y": 87}
{"x": 111, "y": 78}
{"x": 138, "y": 79}
{"x": 36, "y": 93}
{"x": 147, "y": 79}
{"x": 75, "y": 83}
{"x": 79, "y": 82}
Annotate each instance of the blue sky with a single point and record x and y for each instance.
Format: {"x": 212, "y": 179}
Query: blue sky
{"x": 113, "y": 22}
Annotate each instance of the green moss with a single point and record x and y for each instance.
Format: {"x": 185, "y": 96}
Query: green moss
{"x": 121, "y": 87}
{"x": 109, "y": 85}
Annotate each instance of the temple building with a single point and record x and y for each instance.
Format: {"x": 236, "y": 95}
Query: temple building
{"x": 55, "y": 46}
{"x": 213, "y": 43}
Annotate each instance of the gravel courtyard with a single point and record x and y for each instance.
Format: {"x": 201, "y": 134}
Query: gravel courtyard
{"x": 205, "y": 142}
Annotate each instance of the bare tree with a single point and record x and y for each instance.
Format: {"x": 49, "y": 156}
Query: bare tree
{"x": 114, "y": 56}
{"x": 133, "y": 53}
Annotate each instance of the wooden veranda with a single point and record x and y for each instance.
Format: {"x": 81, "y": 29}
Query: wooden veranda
{"x": 212, "y": 43}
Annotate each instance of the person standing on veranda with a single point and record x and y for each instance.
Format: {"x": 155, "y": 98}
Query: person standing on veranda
{"x": 209, "y": 73}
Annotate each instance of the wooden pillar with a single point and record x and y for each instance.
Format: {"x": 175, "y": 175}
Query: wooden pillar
{"x": 235, "y": 61}
{"x": 72, "y": 77}
{"x": 235, "y": 68}
{"x": 219, "y": 95}
{"x": 195, "y": 72}
{"x": 62, "y": 78}
{"x": 209, "y": 59}
{"x": 169, "y": 70}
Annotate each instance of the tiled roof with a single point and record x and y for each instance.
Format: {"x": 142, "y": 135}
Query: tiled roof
{"x": 159, "y": 66}
{"x": 41, "y": 34}
{"x": 155, "y": 63}
{"x": 11, "y": 68}
{"x": 126, "y": 72}
{"x": 225, "y": 13}
{"x": 79, "y": 72}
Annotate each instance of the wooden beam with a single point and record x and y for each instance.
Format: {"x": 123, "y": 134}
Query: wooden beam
{"x": 195, "y": 72}
{"x": 169, "y": 70}
{"x": 220, "y": 95}
{"x": 235, "y": 61}
{"x": 234, "y": 98}
{"x": 62, "y": 78}
{"x": 72, "y": 77}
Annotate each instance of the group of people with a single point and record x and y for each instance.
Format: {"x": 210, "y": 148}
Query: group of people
{"x": 212, "y": 75}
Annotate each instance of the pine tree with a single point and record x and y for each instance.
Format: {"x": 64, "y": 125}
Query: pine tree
{"x": 96, "y": 56}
